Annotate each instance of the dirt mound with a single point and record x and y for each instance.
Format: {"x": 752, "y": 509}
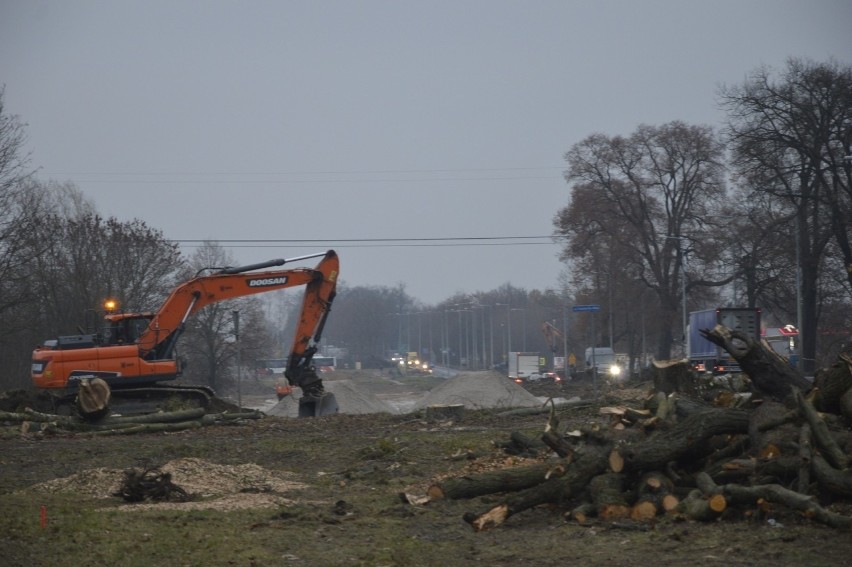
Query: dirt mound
{"x": 479, "y": 390}
{"x": 351, "y": 399}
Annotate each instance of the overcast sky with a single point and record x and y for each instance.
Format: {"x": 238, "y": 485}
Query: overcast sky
{"x": 342, "y": 121}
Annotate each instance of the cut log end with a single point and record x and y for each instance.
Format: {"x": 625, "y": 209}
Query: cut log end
{"x": 616, "y": 461}
{"x": 491, "y": 519}
{"x": 93, "y": 398}
{"x": 643, "y": 511}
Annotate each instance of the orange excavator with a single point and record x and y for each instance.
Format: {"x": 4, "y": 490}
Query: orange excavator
{"x": 136, "y": 352}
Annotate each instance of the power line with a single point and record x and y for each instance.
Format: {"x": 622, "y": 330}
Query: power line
{"x": 433, "y": 245}
{"x": 309, "y": 181}
{"x": 280, "y": 177}
{"x": 304, "y": 240}
{"x": 375, "y": 242}
{"x": 306, "y": 172}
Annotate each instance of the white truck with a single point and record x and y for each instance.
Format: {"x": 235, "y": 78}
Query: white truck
{"x": 524, "y": 365}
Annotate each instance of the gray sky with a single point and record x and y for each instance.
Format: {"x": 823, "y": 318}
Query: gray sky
{"x": 344, "y": 120}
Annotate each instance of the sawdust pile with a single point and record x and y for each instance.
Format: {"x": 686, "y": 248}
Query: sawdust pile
{"x": 479, "y": 390}
{"x": 351, "y": 399}
{"x": 213, "y": 486}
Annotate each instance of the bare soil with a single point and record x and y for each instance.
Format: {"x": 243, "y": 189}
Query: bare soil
{"x": 327, "y": 491}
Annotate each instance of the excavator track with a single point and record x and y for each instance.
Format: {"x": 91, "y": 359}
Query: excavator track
{"x": 145, "y": 399}
{"x": 149, "y": 399}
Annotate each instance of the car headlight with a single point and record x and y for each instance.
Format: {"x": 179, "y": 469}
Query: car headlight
{"x": 615, "y": 370}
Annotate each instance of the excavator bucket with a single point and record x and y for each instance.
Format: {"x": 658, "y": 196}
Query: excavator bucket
{"x": 310, "y": 406}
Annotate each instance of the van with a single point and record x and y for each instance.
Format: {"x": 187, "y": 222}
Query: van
{"x": 604, "y": 360}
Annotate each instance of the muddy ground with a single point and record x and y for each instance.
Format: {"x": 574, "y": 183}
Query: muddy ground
{"x": 326, "y": 491}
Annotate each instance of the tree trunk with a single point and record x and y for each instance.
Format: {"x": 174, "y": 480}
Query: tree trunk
{"x": 770, "y": 374}
{"x": 687, "y": 437}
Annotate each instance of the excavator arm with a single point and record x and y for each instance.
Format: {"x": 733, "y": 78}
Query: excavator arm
{"x": 300, "y": 370}
{"x": 158, "y": 340}
{"x": 552, "y": 336}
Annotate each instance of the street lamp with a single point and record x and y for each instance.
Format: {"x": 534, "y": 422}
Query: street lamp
{"x": 800, "y": 363}
{"x": 508, "y": 307}
{"x": 523, "y": 325}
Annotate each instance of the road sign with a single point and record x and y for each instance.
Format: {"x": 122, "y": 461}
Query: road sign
{"x": 586, "y": 308}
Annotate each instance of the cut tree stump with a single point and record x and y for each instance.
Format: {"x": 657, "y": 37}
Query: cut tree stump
{"x": 673, "y": 376}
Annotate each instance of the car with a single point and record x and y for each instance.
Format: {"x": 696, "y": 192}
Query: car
{"x": 537, "y": 376}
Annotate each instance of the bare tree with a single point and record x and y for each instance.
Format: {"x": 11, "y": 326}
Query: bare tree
{"x": 639, "y": 206}
{"x": 94, "y": 259}
{"x": 790, "y": 138}
{"x": 18, "y": 211}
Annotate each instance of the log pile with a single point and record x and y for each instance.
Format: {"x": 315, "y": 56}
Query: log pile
{"x": 777, "y": 449}
{"x": 30, "y": 421}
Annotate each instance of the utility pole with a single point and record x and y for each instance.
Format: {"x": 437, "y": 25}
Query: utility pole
{"x": 236, "y": 315}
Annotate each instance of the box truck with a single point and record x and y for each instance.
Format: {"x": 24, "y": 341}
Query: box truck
{"x": 706, "y": 356}
{"x": 523, "y": 365}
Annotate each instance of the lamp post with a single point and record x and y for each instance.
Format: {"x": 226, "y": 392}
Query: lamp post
{"x": 508, "y": 307}
{"x": 681, "y": 255}
{"x": 565, "y": 339}
{"x": 236, "y": 315}
{"x": 800, "y": 205}
{"x": 523, "y": 326}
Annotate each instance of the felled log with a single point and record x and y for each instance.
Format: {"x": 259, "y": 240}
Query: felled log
{"x": 846, "y": 405}
{"x": 768, "y": 442}
{"x": 563, "y": 407}
{"x": 821, "y": 435}
{"x": 30, "y": 414}
{"x": 806, "y": 505}
{"x": 133, "y": 428}
{"x": 607, "y": 492}
{"x": 689, "y": 436}
{"x": 833, "y": 385}
{"x": 770, "y": 374}
{"x": 697, "y": 506}
{"x": 491, "y": 482}
{"x": 157, "y": 417}
{"x": 581, "y": 513}
{"x": 586, "y": 465}
{"x": 654, "y": 495}
{"x": 805, "y": 459}
{"x": 837, "y": 482}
